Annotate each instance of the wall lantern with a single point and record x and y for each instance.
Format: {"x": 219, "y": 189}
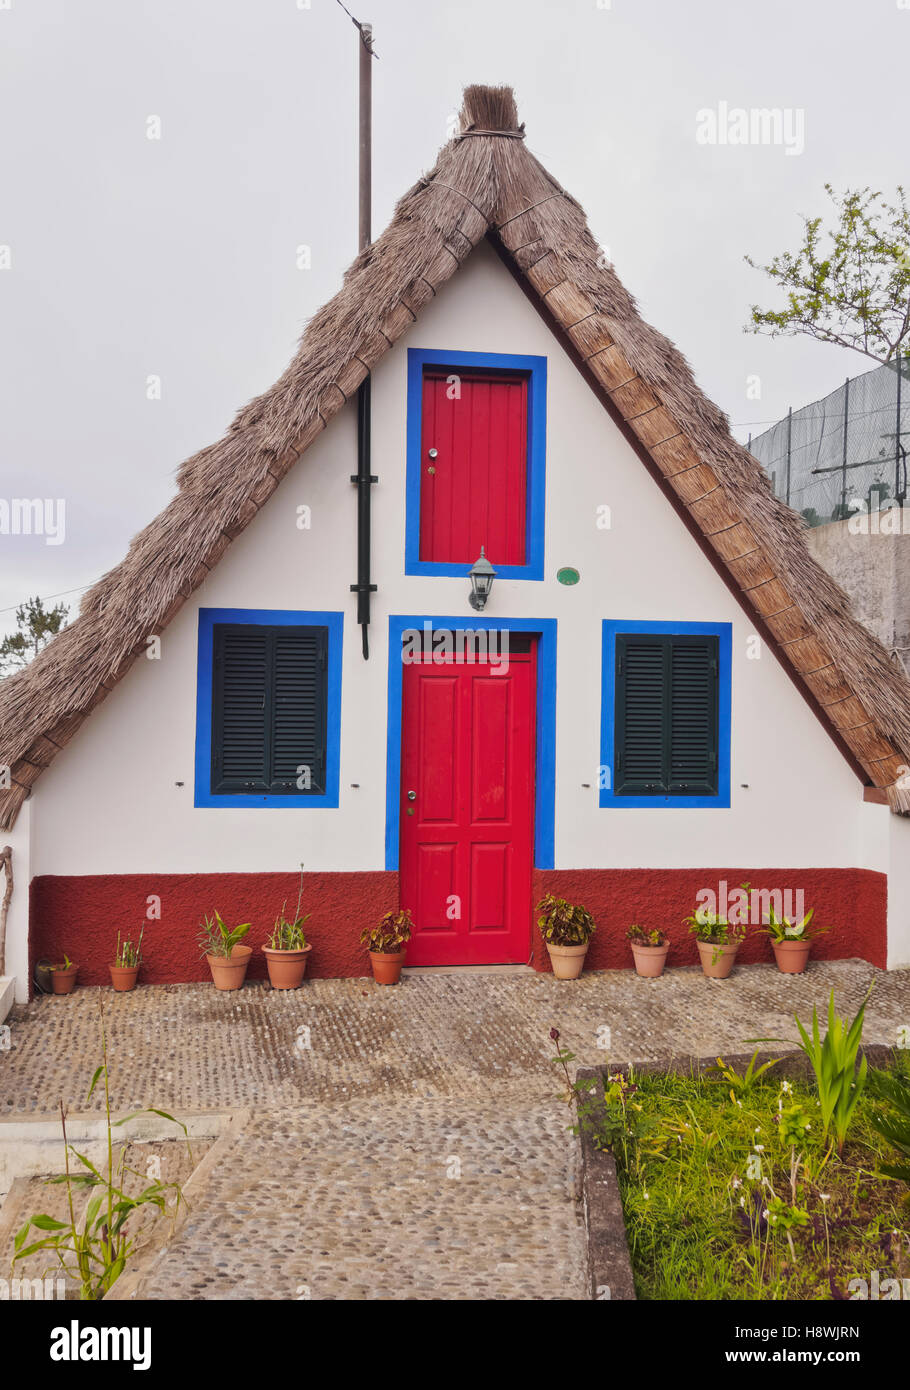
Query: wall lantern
{"x": 481, "y": 576}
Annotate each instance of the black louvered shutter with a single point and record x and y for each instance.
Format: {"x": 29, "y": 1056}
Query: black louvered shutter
{"x": 269, "y": 709}
{"x": 666, "y": 724}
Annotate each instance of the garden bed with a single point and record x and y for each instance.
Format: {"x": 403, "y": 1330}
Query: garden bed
{"x": 693, "y": 1190}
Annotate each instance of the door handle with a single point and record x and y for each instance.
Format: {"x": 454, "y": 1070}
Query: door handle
{"x": 412, "y": 796}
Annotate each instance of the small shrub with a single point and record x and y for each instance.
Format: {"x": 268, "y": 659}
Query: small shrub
{"x": 710, "y": 927}
{"x": 128, "y": 956}
{"x": 390, "y": 934}
{"x": 288, "y": 935}
{"x": 833, "y": 1058}
{"x": 216, "y": 938}
{"x": 782, "y": 929}
{"x": 644, "y": 936}
{"x": 563, "y": 924}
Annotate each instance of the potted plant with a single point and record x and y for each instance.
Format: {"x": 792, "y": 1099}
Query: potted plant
{"x": 792, "y": 941}
{"x": 387, "y": 945}
{"x": 221, "y": 947}
{"x": 286, "y": 953}
{"x": 566, "y": 930}
{"x": 125, "y": 969}
{"x": 63, "y": 977}
{"x": 717, "y": 940}
{"x": 649, "y": 948}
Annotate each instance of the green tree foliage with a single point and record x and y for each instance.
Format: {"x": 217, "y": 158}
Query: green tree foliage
{"x": 853, "y": 290}
{"x": 37, "y": 625}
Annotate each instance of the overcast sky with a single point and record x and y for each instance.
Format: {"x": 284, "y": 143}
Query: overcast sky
{"x": 176, "y": 257}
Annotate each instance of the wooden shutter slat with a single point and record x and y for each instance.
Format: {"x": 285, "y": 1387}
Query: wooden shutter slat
{"x": 693, "y": 716}
{"x": 666, "y": 717}
{"x": 269, "y": 709}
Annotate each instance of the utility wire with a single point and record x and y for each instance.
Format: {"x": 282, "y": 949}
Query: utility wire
{"x": 367, "y": 42}
{"x": 47, "y": 597}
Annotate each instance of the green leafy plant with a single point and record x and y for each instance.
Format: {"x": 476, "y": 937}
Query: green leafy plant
{"x": 93, "y": 1249}
{"x": 67, "y": 963}
{"x": 128, "y": 956}
{"x": 710, "y": 927}
{"x": 895, "y": 1127}
{"x": 740, "y": 1085}
{"x": 794, "y": 1124}
{"x": 287, "y": 934}
{"x": 782, "y": 929}
{"x": 216, "y": 938}
{"x": 390, "y": 934}
{"x": 855, "y": 290}
{"x": 833, "y": 1059}
{"x": 645, "y": 936}
{"x": 563, "y": 924}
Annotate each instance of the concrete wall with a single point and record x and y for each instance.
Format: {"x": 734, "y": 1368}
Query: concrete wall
{"x": 872, "y": 565}
{"x": 119, "y": 798}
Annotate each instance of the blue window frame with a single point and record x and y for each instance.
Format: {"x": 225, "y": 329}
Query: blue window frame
{"x": 536, "y": 367}
{"x": 545, "y": 734}
{"x": 723, "y": 632}
{"x": 208, "y": 618}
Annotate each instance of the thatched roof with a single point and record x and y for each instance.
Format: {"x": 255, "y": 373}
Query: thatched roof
{"x": 486, "y": 183}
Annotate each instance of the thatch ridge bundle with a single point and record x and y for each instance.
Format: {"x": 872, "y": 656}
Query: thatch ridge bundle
{"x": 486, "y": 182}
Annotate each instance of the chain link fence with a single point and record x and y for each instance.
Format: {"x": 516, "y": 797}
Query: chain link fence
{"x": 849, "y": 447}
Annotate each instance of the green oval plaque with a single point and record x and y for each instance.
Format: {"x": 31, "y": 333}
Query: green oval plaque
{"x": 568, "y": 576}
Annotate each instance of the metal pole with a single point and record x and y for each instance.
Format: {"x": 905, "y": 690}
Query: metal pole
{"x": 364, "y": 478}
{"x": 789, "y": 440}
{"x": 843, "y": 493}
{"x": 899, "y": 490}
{"x": 366, "y": 134}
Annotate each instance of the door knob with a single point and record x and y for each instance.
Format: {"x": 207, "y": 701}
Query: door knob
{"x": 412, "y": 796}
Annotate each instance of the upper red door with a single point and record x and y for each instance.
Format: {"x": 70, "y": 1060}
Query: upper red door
{"x": 467, "y": 810}
{"x": 473, "y": 488}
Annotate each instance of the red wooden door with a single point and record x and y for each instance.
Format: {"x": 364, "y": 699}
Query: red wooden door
{"x": 473, "y": 490}
{"x": 467, "y": 810}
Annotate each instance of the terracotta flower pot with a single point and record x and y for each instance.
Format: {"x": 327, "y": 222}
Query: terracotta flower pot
{"x": 286, "y": 968}
{"x": 650, "y": 960}
{"x": 567, "y": 961}
{"x": 387, "y": 966}
{"x": 124, "y": 977}
{"x": 230, "y": 974}
{"x": 64, "y": 981}
{"x": 792, "y": 956}
{"x": 717, "y": 961}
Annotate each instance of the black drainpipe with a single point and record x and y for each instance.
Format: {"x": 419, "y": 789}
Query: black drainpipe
{"x": 363, "y": 477}
{"x": 364, "y": 480}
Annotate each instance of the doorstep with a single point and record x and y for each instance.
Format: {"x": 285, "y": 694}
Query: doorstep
{"x": 469, "y": 970}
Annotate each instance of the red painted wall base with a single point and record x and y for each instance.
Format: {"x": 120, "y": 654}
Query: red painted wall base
{"x": 82, "y": 915}
{"x": 852, "y": 901}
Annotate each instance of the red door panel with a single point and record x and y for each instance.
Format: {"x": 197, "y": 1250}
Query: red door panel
{"x": 467, "y": 831}
{"x": 476, "y": 493}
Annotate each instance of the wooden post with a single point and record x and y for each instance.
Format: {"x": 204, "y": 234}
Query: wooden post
{"x": 6, "y": 862}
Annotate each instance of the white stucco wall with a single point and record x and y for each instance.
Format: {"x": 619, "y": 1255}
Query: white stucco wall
{"x": 110, "y": 802}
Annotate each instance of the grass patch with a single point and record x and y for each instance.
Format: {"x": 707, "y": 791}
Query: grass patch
{"x": 731, "y": 1192}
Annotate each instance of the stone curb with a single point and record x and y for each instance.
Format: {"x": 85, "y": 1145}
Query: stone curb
{"x": 130, "y": 1283}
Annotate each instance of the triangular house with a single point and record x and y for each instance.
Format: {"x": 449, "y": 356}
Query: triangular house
{"x": 688, "y": 700}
